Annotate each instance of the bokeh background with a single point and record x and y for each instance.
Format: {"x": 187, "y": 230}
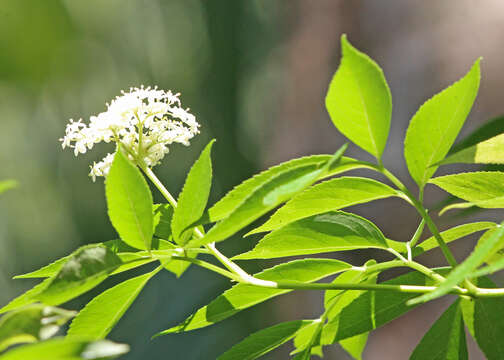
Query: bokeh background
{"x": 255, "y": 74}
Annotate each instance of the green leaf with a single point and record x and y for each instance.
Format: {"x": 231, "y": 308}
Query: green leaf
{"x": 372, "y": 309}
{"x": 445, "y": 340}
{"x": 482, "y": 318}
{"x": 31, "y": 324}
{"x": 483, "y": 189}
{"x": 355, "y": 345}
{"x": 27, "y": 298}
{"x": 7, "y": 185}
{"x": 83, "y": 271}
{"x": 117, "y": 246}
{"x": 332, "y": 231}
{"x": 242, "y": 296}
{"x": 265, "y": 198}
{"x": 486, "y": 152}
{"x": 67, "y": 349}
{"x": 448, "y": 236}
{"x": 466, "y": 268}
{"x": 359, "y": 101}
{"x": 486, "y": 131}
{"x": 436, "y": 124}
{"x": 263, "y": 341}
{"x": 163, "y": 214}
{"x": 101, "y": 314}
{"x": 307, "y": 341}
{"x": 224, "y": 207}
{"x": 129, "y": 203}
{"x": 194, "y": 196}
{"x": 337, "y": 300}
{"x": 330, "y": 195}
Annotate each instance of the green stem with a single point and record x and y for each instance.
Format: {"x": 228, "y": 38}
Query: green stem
{"x": 210, "y": 267}
{"x": 231, "y": 266}
{"x": 421, "y": 210}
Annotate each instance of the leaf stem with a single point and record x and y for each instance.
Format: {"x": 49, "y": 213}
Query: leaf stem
{"x": 423, "y": 212}
{"x": 230, "y": 265}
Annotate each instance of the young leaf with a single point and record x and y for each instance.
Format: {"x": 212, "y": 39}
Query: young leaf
{"x": 482, "y": 318}
{"x": 7, "y": 184}
{"x": 465, "y": 269}
{"x": 162, "y": 218}
{"x": 101, "y": 314}
{"x": 436, "y": 124}
{"x": 243, "y": 296}
{"x": 67, "y": 349}
{"x": 81, "y": 272}
{"x": 486, "y": 152}
{"x": 483, "y": 189}
{"x": 31, "y": 324}
{"x": 445, "y": 339}
{"x": 129, "y": 203}
{"x": 263, "y": 341}
{"x": 330, "y": 195}
{"x": 274, "y": 192}
{"x": 372, "y": 309}
{"x": 307, "y": 341}
{"x": 332, "y": 231}
{"x": 359, "y": 101}
{"x": 194, "y": 196}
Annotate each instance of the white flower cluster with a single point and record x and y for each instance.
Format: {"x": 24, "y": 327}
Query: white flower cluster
{"x": 144, "y": 121}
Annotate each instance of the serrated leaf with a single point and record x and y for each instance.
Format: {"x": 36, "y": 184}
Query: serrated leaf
{"x": 224, "y": 207}
{"x": 27, "y": 298}
{"x": 242, "y": 296}
{"x": 330, "y": 195}
{"x": 265, "y": 198}
{"x": 263, "y": 341}
{"x": 194, "y": 196}
{"x": 7, "y": 185}
{"x": 67, "y": 349}
{"x": 117, "y": 246}
{"x": 129, "y": 202}
{"x": 434, "y": 127}
{"x": 372, "y": 309}
{"x": 30, "y": 324}
{"x": 466, "y": 268}
{"x": 483, "y": 189}
{"x": 445, "y": 340}
{"x": 490, "y": 151}
{"x": 101, "y": 314}
{"x": 482, "y": 318}
{"x": 83, "y": 271}
{"x": 450, "y": 235}
{"x": 332, "y": 231}
{"x": 359, "y": 100}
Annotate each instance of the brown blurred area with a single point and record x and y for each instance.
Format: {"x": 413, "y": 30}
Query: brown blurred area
{"x": 255, "y": 73}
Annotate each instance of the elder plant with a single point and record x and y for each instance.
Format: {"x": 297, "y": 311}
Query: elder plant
{"x": 308, "y": 194}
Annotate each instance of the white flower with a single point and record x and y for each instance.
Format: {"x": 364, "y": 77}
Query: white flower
{"x": 144, "y": 121}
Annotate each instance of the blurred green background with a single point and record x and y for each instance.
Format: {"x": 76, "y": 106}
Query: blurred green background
{"x": 255, "y": 74}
